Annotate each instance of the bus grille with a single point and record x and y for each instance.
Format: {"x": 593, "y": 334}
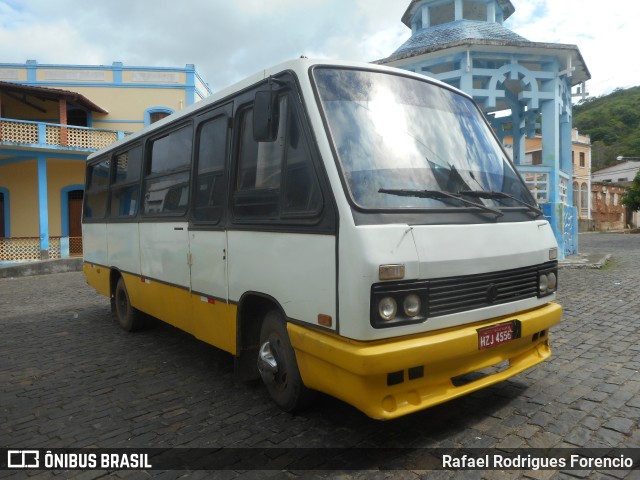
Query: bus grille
{"x": 469, "y": 292}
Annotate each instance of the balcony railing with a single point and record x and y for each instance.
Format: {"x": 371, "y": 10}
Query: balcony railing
{"x": 50, "y": 135}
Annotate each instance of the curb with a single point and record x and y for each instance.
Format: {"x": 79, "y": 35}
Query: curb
{"x": 43, "y": 267}
{"x": 596, "y": 261}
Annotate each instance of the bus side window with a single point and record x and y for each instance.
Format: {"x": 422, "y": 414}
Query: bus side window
{"x": 166, "y": 186}
{"x": 259, "y": 170}
{"x": 125, "y": 187}
{"x": 302, "y": 196}
{"x": 95, "y": 203}
{"x": 210, "y": 180}
{"x": 276, "y": 180}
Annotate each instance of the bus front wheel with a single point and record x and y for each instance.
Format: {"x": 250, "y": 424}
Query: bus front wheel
{"x": 129, "y": 318}
{"x": 278, "y": 367}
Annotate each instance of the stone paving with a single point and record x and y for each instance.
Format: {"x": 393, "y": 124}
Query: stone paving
{"x": 70, "y": 377}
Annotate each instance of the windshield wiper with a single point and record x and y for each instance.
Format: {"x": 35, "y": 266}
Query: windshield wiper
{"x": 497, "y": 195}
{"x": 438, "y": 195}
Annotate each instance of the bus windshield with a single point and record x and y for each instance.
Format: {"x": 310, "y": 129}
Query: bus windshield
{"x": 405, "y": 143}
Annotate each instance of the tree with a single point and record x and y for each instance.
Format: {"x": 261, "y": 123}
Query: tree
{"x": 631, "y": 196}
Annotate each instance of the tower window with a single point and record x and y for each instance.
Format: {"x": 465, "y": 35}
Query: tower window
{"x": 442, "y": 14}
{"x": 474, "y": 11}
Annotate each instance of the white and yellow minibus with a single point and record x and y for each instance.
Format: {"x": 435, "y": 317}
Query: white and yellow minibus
{"x": 338, "y": 227}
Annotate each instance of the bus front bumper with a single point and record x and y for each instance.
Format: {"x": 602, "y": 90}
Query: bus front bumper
{"x": 390, "y": 378}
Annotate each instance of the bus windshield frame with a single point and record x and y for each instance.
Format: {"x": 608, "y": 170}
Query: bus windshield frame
{"x": 406, "y": 144}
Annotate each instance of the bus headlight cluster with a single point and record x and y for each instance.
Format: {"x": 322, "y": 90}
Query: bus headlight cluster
{"x": 387, "y": 308}
{"x": 411, "y": 305}
{"x": 547, "y": 282}
{"x": 392, "y": 306}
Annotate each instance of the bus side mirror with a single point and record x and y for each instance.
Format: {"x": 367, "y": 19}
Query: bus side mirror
{"x": 265, "y": 116}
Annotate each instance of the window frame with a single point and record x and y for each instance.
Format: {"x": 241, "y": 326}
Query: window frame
{"x": 281, "y": 219}
{"x": 114, "y": 185}
{"x": 218, "y": 111}
{"x": 149, "y": 177}
{"x": 157, "y": 109}
{"x": 325, "y": 223}
{"x": 90, "y": 190}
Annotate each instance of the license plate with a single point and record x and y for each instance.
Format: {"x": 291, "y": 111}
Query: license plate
{"x": 495, "y": 335}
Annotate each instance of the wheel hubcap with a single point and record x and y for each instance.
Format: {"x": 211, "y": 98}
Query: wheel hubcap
{"x": 267, "y": 363}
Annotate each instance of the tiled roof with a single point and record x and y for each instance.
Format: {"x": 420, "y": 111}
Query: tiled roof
{"x": 484, "y": 34}
{"x": 441, "y": 36}
{"x": 55, "y": 94}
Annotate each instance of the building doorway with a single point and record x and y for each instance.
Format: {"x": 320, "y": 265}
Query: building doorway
{"x": 77, "y": 117}
{"x": 75, "y": 222}
{"x": 2, "y": 232}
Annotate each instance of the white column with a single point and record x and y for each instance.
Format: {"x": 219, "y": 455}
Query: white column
{"x": 491, "y": 12}
{"x": 458, "y": 9}
{"x": 426, "y": 21}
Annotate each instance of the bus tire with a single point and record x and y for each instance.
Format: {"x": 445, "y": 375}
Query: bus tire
{"x": 129, "y": 318}
{"x": 280, "y": 374}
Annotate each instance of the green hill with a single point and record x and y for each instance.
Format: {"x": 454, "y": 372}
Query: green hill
{"x": 613, "y": 122}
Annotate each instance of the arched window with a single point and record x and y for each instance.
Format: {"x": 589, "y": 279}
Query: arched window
{"x": 576, "y": 195}
{"x": 154, "y": 114}
{"x": 584, "y": 196}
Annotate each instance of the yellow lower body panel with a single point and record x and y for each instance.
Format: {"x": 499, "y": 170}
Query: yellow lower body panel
{"x": 211, "y": 320}
{"x": 390, "y": 378}
{"x": 97, "y": 277}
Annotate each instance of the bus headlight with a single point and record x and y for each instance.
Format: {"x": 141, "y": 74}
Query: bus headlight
{"x": 552, "y": 281}
{"x": 547, "y": 282}
{"x": 543, "y": 283}
{"x": 387, "y": 308}
{"x": 395, "y": 304}
{"x": 411, "y": 305}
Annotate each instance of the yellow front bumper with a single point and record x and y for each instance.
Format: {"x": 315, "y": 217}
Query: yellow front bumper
{"x": 358, "y": 372}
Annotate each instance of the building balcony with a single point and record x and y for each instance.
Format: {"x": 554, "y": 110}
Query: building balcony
{"x": 40, "y": 135}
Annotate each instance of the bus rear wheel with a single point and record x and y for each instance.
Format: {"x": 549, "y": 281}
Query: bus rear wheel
{"x": 129, "y": 318}
{"x": 278, "y": 366}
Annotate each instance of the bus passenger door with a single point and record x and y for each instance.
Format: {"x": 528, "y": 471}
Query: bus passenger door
{"x": 213, "y": 318}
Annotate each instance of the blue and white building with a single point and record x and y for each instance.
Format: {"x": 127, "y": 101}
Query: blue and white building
{"x": 51, "y": 118}
{"x": 523, "y": 87}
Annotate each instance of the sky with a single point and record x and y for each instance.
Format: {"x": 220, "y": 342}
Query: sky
{"x": 228, "y": 40}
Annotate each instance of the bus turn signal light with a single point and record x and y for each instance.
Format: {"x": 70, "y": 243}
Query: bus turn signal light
{"x": 391, "y": 272}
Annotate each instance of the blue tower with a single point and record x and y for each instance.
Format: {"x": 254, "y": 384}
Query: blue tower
{"x": 523, "y": 87}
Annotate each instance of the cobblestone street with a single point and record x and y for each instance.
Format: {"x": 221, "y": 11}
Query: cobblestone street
{"x": 70, "y": 377}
